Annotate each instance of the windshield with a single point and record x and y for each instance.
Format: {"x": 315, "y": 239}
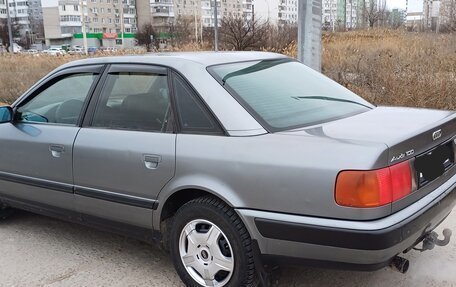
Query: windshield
{"x": 284, "y": 94}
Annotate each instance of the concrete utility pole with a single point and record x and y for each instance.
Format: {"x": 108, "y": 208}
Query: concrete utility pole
{"x": 345, "y": 15}
{"x": 351, "y": 14}
{"x": 196, "y": 23}
{"x": 83, "y": 28}
{"x": 201, "y": 28}
{"x": 215, "y": 27}
{"x": 122, "y": 24}
{"x": 10, "y": 30}
{"x": 309, "y": 33}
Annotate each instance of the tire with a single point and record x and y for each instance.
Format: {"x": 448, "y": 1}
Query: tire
{"x": 5, "y": 212}
{"x": 214, "y": 243}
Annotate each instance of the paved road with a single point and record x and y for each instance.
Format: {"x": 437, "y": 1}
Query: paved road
{"x": 39, "y": 251}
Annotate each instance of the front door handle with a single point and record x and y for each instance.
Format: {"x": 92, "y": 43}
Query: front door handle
{"x": 56, "y": 150}
{"x": 151, "y": 161}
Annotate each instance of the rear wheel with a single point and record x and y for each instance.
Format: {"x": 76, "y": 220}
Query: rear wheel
{"x": 210, "y": 245}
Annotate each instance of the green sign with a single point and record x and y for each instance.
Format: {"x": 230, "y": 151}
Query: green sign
{"x": 100, "y": 35}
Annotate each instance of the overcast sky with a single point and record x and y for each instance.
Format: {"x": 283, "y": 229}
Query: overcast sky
{"x": 414, "y": 5}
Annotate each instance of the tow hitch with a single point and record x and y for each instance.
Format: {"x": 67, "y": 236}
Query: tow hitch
{"x": 432, "y": 239}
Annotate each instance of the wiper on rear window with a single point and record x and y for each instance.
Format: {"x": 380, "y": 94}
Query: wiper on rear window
{"x": 330, "y": 99}
{"x": 266, "y": 64}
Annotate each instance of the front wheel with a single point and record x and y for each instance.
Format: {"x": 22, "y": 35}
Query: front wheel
{"x": 210, "y": 245}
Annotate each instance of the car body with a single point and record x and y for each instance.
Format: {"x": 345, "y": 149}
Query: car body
{"x": 223, "y": 141}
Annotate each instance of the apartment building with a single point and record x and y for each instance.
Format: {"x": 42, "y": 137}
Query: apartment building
{"x": 163, "y": 13}
{"x": 36, "y": 18}
{"x": 340, "y": 14}
{"x": 438, "y": 14}
{"x": 225, "y": 8}
{"x": 397, "y": 17}
{"x": 414, "y": 21}
{"x": 329, "y": 14}
{"x": 288, "y": 12}
{"x": 334, "y": 12}
{"x": 430, "y": 12}
{"x": 19, "y": 14}
{"x": 105, "y": 21}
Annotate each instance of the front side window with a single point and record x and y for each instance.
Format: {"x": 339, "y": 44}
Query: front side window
{"x": 285, "y": 94}
{"x": 134, "y": 101}
{"x": 60, "y": 103}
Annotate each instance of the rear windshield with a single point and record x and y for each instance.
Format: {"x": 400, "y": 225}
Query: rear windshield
{"x": 284, "y": 94}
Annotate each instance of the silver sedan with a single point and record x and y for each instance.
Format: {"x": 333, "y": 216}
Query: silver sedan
{"x": 229, "y": 161}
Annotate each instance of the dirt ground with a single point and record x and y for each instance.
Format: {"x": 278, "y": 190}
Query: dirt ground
{"x": 39, "y": 251}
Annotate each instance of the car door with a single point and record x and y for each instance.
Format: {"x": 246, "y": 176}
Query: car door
{"x": 36, "y": 148}
{"x": 125, "y": 153}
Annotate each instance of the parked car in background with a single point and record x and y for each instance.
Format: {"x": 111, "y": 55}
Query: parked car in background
{"x": 54, "y": 52}
{"x": 76, "y": 51}
{"x": 16, "y": 48}
{"x": 92, "y": 50}
{"x": 108, "y": 50}
{"x": 31, "y": 52}
{"x": 229, "y": 160}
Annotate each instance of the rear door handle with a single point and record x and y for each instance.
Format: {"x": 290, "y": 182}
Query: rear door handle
{"x": 56, "y": 150}
{"x": 151, "y": 161}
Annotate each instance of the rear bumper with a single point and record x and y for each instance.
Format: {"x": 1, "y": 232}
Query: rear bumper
{"x": 369, "y": 244}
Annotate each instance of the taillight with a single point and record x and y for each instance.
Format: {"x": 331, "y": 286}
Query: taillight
{"x": 374, "y": 188}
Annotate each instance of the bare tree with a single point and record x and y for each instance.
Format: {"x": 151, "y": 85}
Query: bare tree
{"x": 242, "y": 34}
{"x": 4, "y": 32}
{"x": 146, "y": 36}
{"x": 374, "y": 11}
{"x": 184, "y": 30}
{"x": 281, "y": 37}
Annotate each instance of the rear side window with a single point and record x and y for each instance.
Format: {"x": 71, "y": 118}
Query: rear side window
{"x": 192, "y": 115}
{"x": 134, "y": 101}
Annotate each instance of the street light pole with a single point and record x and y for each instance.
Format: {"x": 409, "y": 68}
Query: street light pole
{"x": 215, "y": 27}
{"x": 10, "y": 30}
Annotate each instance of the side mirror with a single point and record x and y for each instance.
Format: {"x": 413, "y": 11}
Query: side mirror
{"x": 6, "y": 114}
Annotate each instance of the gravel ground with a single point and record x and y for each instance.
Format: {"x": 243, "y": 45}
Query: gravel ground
{"x": 39, "y": 251}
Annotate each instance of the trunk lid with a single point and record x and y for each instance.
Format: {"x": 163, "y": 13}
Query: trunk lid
{"x": 407, "y": 132}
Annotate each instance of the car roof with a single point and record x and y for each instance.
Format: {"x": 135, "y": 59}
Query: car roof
{"x": 202, "y": 58}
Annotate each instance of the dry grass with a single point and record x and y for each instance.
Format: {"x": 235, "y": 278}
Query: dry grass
{"x": 20, "y": 72}
{"x": 385, "y": 67}
{"x": 395, "y": 68}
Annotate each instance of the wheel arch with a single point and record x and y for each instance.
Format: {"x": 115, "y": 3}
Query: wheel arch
{"x": 172, "y": 197}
